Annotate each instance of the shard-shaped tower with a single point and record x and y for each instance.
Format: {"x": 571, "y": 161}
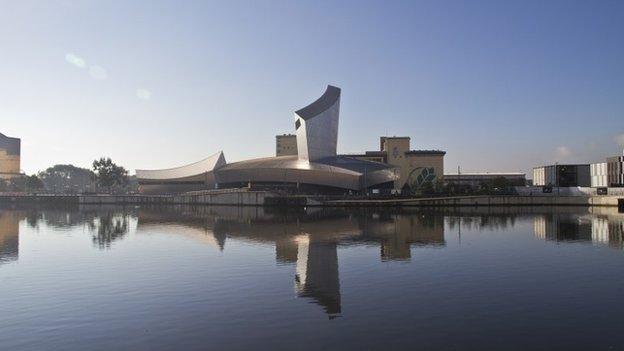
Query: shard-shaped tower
{"x": 316, "y": 126}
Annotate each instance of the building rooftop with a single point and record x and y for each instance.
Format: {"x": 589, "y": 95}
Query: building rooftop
{"x": 563, "y": 164}
{"x": 425, "y": 152}
{"x": 383, "y": 153}
{"x": 486, "y": 174}
{"x": 11, "y": 145}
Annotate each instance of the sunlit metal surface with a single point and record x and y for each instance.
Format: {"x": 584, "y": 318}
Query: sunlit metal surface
{"x": 316, "y": 126}
{"x": 338, "y": 172}
{"x": 195, "y": 169}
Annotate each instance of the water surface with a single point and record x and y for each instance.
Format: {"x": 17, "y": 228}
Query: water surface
{"x": 199, "y": 278}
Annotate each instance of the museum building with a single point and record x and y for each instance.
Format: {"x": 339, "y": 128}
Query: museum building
{"x": 315, "y": 167}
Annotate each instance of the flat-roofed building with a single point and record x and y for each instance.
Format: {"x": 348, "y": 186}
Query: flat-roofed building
{"x": 416, "y": 167}
{"x": 564, "y": 175}
{"x": 475, "y": 179}
{"x": 10, "y": 149}
{"x": 285, "y": 145}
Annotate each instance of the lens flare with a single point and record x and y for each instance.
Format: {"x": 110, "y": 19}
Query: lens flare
{"x": 75, "y": 60}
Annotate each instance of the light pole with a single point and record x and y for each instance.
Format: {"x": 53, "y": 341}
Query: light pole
{"x": 557, "y": 177}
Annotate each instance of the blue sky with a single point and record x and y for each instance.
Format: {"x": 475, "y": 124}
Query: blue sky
{"x": 499, "y": 85}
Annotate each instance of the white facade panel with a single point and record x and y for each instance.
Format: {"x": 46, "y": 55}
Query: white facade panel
{"x": 539, "y": 176}
{"x": 598, "y": 172}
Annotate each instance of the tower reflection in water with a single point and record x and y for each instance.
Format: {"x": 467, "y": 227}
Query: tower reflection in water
{"x": 308, "y": 240}
{"x": 9, "y": 235}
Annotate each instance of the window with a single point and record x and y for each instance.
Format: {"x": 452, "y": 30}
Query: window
{"x": 297, "y": 124}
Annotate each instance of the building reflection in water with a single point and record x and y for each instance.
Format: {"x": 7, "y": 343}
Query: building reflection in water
{"x": 396, "y": 233}
{"x": 308, "y": 240}
{"x": 599, "y": 226}
{"x": 317, "y": 273}
{"x": 9, "y": 235}
{"x": 562, "y": 227}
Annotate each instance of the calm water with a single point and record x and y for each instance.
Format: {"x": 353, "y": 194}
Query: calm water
{"x": 184, "y": 278}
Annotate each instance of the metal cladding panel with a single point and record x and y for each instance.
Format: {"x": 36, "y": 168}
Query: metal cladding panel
{"x": 583, "y": 177}
{"x": 153, "y": 189}
{"x": 11, "y": 145}
{"x": 379, "y": 177}
{"x": 345, "y": 181}
{"x": 317, "y": 126}
{"x": 335, "y": 172}
{"x": 198, "y": 168}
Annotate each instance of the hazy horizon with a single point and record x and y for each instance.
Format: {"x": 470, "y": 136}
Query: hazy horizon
{"x": 158, "y": 84}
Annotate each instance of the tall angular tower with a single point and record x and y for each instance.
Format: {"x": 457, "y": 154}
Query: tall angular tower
{"x": 316, "y": 126}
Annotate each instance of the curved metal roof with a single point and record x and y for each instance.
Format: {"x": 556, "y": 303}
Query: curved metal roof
{"x": 340, "y": 172}
{"x": 206, "y": 165}
{"x": 282, "y": 162}
{"x": 327, "y": 100}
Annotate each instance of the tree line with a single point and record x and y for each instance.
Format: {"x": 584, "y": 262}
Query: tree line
{"x": 104, "y": 176}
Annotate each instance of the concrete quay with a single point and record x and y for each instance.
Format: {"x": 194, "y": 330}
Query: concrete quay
{"x": 485, "y": 200}
{"x": 234, "y": 197}
{"x": 243, "y": 197}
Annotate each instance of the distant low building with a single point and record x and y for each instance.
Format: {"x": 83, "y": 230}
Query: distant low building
{"x": 564, "y": 175}
{"x": 476, "y": 179}
{"x": 10, "y": 149}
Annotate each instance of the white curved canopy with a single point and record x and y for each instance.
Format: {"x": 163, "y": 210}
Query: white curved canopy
{"x": 206, "y": 165}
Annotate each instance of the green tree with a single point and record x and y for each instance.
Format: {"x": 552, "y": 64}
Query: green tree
{"x": 485, "y": 188}
{"x": 109, "y": 175}
{"x": 67, "y": 179}
{"x": 499, "y": 183}
{"x": 17, "y": 184}
{"x": 33, "y": 182}
{"x": 439, "y": 186}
